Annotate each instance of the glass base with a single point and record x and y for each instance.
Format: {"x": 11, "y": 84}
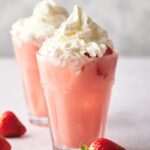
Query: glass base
{"x": 40, "y": 121}
{"x": 64, "y": 148}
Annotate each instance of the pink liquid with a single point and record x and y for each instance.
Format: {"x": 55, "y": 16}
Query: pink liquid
{"x": 26, "y": 58}
{"x": 77, "y": 104}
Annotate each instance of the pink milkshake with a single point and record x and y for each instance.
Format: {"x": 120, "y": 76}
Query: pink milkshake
{"x": 77, "y": 75}
{"x": 28, "y": 35}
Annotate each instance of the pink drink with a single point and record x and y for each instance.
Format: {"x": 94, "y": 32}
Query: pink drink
{"x": 77, "y": 103}
{"x": 25, "y": 55}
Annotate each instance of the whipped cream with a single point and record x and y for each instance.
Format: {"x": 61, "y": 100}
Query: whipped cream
{"x": 46, "y": 18}
{"x": 78, "y": 35}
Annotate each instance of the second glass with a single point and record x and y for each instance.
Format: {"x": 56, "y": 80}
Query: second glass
{"x": 26, "y": 59}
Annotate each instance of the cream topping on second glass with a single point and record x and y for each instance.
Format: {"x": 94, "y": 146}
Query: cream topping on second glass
{"x": 78, "y": 35}
{"x": 46, "y": 18}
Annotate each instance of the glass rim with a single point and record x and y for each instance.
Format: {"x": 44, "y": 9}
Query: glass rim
{"x": 115, "y": 54}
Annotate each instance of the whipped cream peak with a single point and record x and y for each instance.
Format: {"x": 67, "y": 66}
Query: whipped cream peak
{"x": 43, "y": 8}
{"x": 47, "y": 11}
{"x": 77, "y": 36}
{"x": 47, "y": 17}
{"x": 77, "y": 21}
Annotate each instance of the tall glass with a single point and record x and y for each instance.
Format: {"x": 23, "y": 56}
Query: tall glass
{"x": 26, "y": 58}
{"x": 77, "y": 102}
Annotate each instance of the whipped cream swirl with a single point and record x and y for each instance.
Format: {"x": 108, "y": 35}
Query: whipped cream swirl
{"x": 77, "y": 36}
{"x": 46, "y": 18}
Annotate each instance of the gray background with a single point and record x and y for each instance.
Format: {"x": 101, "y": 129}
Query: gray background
{"x": 127, "y": 21}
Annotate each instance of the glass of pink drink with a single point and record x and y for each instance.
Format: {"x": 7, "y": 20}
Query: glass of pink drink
{"x": 26, "y": 59}
{"x": 77, "y": 103}
{"x": 28, "y": 35}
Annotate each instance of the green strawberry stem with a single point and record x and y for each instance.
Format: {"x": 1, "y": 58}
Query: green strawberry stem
{"x": 84, "y": 147}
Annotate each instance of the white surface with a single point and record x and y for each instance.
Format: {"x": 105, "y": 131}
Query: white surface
{"x": 129, "y": 117}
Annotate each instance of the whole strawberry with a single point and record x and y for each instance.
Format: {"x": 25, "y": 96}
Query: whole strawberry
{"x": 105, "y": 144}
{"x": 4, "y": 145}
{"x": 10, "y": 126}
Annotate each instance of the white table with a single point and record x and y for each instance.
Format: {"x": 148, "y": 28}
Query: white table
{"x": 129, "y": 117}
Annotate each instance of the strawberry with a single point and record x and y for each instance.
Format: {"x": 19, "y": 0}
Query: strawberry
{"x": 10, "y": 126}
{"x": 105, "y": 144}
{"x": 108, "y": 51}
{"x": 4, "y": 145}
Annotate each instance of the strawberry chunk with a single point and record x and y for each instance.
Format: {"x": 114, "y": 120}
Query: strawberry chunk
{"x": 10, "y": 126}
{"x": 87, "y": 54}
{"x": 108, "y": 51}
